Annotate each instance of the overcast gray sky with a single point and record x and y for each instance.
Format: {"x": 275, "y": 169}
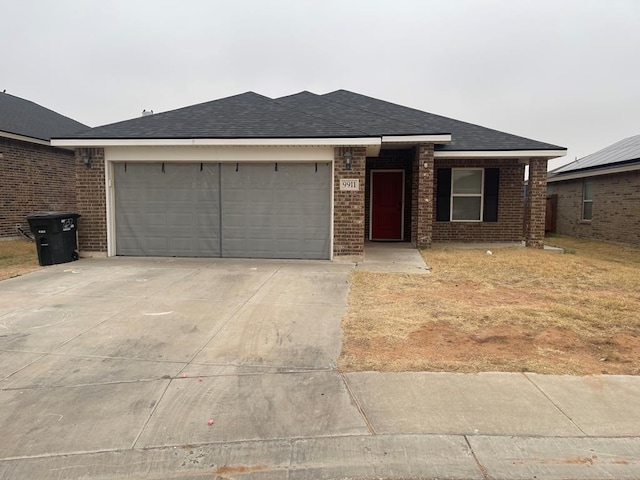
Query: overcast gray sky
{"x": 561, "y": 71}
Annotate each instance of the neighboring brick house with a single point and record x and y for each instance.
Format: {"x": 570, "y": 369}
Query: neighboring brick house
{"x": 598, "y": 196}
{"x": 34, "y": 176}
{"x": 302, "y": 176}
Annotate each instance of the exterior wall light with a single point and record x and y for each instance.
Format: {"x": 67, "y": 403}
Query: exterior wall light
{"x": 86, "y": 158}
{"x": 348, "y": 161}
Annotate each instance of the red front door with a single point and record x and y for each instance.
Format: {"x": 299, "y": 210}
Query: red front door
{"x": 386, "y": 205}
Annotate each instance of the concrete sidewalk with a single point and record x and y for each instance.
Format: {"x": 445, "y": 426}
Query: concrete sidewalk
{"x": 166, "y": 368}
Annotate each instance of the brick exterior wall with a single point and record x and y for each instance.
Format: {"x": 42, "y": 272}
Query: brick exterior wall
{"x": 508, "y": 228}
{"x": 91, "y": 201}
{"x": 422, "y": 200}
{"x": 616, "y": 208}
{"x": 33, "y": 178}
{"x": 536, "y": 203}
{"x": 349, "y": 206}
{"x": 391, "y": 160}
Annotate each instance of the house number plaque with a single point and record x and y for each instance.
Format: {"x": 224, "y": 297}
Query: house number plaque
{"x": 350, "y": 184}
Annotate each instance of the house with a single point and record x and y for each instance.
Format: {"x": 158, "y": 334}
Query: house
{"x": 302, "y": 176}
{"x": 598, "y": 196}
{"x": 34, "y": 176}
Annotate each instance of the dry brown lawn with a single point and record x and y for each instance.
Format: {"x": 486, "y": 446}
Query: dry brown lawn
{"x": 17, "y": 257}
{"x": 515, "y": 310}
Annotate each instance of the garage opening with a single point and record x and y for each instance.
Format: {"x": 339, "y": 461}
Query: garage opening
{"x": 250, "y": 210}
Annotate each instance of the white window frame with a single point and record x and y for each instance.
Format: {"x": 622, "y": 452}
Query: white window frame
{"x": 481, "y": 195}
{"x": 584, "y": 200}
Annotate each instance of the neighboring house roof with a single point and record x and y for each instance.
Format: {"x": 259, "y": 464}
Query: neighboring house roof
{"x": 340, "y": 114}
{"x": 621, "y": 156}
{"x": 28, "y": 119}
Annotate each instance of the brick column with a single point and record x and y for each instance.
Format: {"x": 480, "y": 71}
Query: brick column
{"x": 91, "y": 202}
{"x": 348, "y": 206}
{"x": 536, "y": 202}
{"x": 422, "y": 196}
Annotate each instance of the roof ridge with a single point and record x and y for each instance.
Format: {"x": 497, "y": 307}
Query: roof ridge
{"x": 323, "y": 117}
{"x": 201, "y": 119}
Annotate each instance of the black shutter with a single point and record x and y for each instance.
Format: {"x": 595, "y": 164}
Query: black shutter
{"x": 491, "y": 182}
{"x": 443, "y": 195}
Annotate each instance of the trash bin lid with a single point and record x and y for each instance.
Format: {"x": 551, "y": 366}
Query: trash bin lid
{"x": 52, "y": 215}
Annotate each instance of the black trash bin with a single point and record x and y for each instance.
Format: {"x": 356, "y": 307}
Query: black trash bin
{"x": 55, "y": 235}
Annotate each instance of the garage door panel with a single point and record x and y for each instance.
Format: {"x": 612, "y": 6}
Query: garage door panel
{"x": 269, "y": 213}
{"x": 175, "y": 210}
{"x": 167, "y": 210}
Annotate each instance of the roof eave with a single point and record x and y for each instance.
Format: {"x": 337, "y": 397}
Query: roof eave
{"x": 415, "y": 139}
{"x": 548, "y": 154}
{"x": 25, "y": 138}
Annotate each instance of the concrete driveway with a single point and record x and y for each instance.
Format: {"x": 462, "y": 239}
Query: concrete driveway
{"x": 94, "y": 353}
{"x": 184, "y": 369}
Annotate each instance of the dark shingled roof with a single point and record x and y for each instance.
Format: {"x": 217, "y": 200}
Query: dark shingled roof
{"x": 624, "y": 152}
{"x": 247, "y": 115}
{"x": 464, "y": 136}
{"x": 340, "y": 114}
{"x": 373, "y": 125}
{"x": 23, "y": 117}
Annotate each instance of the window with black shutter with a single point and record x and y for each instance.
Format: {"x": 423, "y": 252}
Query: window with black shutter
{"x": 467, "y": 194}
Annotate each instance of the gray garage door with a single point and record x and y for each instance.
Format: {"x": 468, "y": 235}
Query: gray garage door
{"x": 228, "y": 210}
{"x": 167, "y": 209}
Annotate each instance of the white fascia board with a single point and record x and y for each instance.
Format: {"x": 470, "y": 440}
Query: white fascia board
{"x": 593, "y": 173}
{"x": 23, "y": 138}
{"x": 149, "y": 142}
{"x": 443, "y": 138}
{"x": 549, "y": 154}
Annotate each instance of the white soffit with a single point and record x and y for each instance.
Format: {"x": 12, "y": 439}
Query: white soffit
{"x": 501, "y": 154}
{"x": 174, "y": 153}
{"x": 442, "y": 138}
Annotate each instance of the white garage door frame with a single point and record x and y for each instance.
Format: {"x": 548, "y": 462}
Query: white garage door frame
{"x": 208, "y": 154}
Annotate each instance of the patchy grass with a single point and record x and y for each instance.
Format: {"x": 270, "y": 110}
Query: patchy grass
{"x": 17, "y": 257}
{"x": 516, "y": 310}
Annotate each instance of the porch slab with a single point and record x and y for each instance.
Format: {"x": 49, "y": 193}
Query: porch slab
{"x": 392, "y": 257}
